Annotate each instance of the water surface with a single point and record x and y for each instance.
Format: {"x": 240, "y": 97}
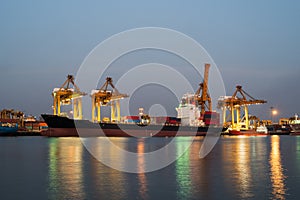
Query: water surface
{"x": 237, "y": 168}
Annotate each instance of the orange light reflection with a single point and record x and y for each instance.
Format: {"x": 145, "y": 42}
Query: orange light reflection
{"x": 277, "y": 176}
{"x": 141, "y": 169}
{"x": 242, "y": 167}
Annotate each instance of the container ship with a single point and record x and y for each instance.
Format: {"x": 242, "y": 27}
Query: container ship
{"x": 189, "y": 122}
{"x": 192, "y": 120}
{"x": 59, "y": 126}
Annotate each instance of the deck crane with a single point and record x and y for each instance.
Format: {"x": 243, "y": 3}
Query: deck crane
{"x": 105, "y": 97}
{"x": 196, "y": 109}
{"x": 64, "y": 95}
{"x": 202, "y": 96}
{"x": 234, "y": 104}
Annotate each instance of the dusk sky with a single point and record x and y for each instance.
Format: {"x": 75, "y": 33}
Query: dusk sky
{"x": 254, "y": 43}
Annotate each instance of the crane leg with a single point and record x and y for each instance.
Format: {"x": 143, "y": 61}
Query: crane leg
{"x": 232, "y": 116}
{"x": 98, "y": 114}
{"x": 54, "y": 105}
{"x": 58, "y": 105}
{"x": 112, "y": 111}
{"x": 224, "y": 116}
{"x": 118, "y": 111}
{"x": 80, "y": 108}
{"x": 247, "y": 117}
{"x": 93, "y": 109}
{"x": 238, "y": 117}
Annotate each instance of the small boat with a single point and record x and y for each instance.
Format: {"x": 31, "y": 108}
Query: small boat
{"x": 8, "y": 129}
{"x": 295, "y": 129}
{"x": 276, "y": 129}
{"x": 259, "y": 131}
{"x": 262, "y": 129}
{"x": 294, "y": 125}
{"x": 245, "y": 133}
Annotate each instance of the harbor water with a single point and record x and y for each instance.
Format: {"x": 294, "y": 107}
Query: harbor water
{"x": 237, "y": 168}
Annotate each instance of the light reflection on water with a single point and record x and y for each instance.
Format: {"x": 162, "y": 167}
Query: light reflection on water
{"x": 242, "y": 168}
{"x": 141, "y": 165}
{"x": 244, "y": 154}
{"x": 237, "y": 168}
{"x": 277, "y": 171}
{"x": 106, "y": 183}
{"x": 245, "y": 157}
{"x": 65, "y": 168}
{"x": 183, "y": 171}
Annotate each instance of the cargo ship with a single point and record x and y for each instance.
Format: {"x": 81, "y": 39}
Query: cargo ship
{"x": 59, "y": 126}
{"x": 192, "y": 118}
{"x": 187, "y": 123}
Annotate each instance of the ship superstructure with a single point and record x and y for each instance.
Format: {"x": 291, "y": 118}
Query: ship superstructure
{"x": 188, "y": 111}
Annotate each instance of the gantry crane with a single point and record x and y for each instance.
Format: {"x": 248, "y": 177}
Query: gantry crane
{"x": 13, "y": 114}
{"x": 234, "y": 104}
{"x": 64, "y": 95}
{"x": 202, "y": 96}
{"x": 105, "y": 97}
{"x": 6, "y": 114}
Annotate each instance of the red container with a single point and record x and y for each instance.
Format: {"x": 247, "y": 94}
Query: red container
{"x": 211, "y": 118}
{"x": 132, "y": 117}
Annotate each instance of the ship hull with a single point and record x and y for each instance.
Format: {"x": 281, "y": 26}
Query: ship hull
{"x": 65, "y": 127}
{"x": 8, "y": 130}
{"x": 245, "y": 133}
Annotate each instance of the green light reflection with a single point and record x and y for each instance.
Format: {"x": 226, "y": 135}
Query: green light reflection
{"x": 183, "y": 171}
{"x": 65, "y": 168}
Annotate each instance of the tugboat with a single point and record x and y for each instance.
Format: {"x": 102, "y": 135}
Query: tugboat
{"x": 294, "y": 125}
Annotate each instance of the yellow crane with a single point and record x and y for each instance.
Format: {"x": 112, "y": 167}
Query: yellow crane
{"x": 234, "y": 104}
{"x": 105, "y": 97}
{"x": 202, "y": 96}
{"x": 13, "y": 114}
{"x": 64, "y": 95}
{"x": 6, "y": 114}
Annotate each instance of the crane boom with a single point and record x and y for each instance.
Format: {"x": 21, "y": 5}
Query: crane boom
{"x": 204, "y": 97}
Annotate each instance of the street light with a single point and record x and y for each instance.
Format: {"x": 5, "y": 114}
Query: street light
{"x": 274, "y": 112}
